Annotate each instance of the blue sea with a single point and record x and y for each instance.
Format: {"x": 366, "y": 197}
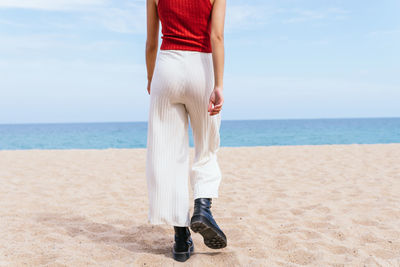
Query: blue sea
{"x": 233, "y": 133}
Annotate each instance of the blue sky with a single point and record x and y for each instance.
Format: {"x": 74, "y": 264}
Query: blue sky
{"x": 83, "y": 61}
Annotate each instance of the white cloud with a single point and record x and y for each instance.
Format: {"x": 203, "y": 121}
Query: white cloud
{"x": 301, "y": 15}
{"x": 116, "y": 16}
{"x": 248, "y": 16}
{"x": 51, "y": 4}
{"x": 384, "y": 33}
{"x": 130, "y": 16}
{"x": 56, "y": 42}
{"x": 244, "y": 16}
{"x": 310, "y": 86}
{"x": 128, "y": 19}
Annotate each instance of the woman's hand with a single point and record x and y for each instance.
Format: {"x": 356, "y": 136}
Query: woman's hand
{"x": 216, "y": 99}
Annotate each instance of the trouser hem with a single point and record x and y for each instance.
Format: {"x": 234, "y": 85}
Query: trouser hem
{"x": 170, "y": 223}
{"x": 205, "y": 195}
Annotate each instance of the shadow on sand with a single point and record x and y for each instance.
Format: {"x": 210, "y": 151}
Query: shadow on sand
{"x": 150, "y": 239}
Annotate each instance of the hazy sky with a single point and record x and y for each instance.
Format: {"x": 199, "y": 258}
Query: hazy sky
{"x": 83, "y": 60}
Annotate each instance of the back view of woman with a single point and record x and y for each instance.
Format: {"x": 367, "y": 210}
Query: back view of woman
{"x": 185, "y": 81}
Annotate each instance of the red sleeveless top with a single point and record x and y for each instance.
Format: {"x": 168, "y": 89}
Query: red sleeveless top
{"x": 186, "y": 24}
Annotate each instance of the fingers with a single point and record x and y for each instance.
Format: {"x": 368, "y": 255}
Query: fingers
{"x": 219, "y": 106}
{"x": 214, "y": 110}
{"x": 217, "y": 100}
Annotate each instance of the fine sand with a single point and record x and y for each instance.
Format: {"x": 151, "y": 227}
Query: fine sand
{"x": 336, "y": 205}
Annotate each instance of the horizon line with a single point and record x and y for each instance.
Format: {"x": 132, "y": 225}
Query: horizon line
{"x": 269, "y": 119}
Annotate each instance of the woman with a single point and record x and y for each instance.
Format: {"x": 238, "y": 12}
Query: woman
{"x": 185, "y": 80}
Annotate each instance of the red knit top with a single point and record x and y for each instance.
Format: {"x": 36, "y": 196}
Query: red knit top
{"x": 186, "y": 24}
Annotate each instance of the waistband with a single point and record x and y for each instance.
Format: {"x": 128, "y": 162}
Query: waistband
{"x": 176, "y": 51}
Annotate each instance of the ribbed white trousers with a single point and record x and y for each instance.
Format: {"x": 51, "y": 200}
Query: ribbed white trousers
{"x": 181, "y": 86}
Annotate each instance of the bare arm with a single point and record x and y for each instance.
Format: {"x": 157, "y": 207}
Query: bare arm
{"x": 217, "y": 40}
{"x": 217, "y": 43}
{"x": 152, "y": 40}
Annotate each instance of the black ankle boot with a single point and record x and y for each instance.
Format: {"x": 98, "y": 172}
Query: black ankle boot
{"x": 183, "y": 245}
{"x": 203, "y": 222}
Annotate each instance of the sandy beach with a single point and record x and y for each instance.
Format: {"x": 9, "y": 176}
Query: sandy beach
{"x": 333, "y": 205}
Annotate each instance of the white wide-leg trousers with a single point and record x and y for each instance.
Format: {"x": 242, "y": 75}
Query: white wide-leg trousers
{"x": 181, "y": 86}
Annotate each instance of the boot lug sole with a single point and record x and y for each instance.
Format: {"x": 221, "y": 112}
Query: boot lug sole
{"x": 212, "y": 236}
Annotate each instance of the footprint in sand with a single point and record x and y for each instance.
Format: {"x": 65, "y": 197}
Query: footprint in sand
{"x": 98, "y": 228}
